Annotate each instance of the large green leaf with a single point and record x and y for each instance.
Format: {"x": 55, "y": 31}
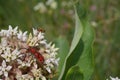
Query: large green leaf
{"x": 80, "y": 53}
{"x": 76, "y": 42}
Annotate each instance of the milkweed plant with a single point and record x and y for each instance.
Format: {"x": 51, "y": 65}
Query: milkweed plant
{"x": 29, "y": 56}
{"x": 26, "y": 57}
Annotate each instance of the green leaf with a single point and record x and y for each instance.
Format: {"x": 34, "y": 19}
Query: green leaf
{"x": 80, "y": 53}
{"x": 86, "y": 61}
{"x": 74, "y": 73}
{"x": 74, "y": 47}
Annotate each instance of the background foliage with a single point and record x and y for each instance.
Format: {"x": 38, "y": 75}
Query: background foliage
{"x": 59, "y": 25}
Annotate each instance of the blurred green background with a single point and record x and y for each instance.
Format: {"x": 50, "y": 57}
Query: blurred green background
{"x": 57, "y": 18}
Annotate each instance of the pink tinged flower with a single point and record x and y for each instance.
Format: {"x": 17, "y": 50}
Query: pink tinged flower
{"x": 93, "y": 8}
{"x": 15, "y": 54}
{"x": 22, "y": 36}
{"x": 8, "y": 55}
{"x": 4, "y": 69}
{"x": 24, "y": 63}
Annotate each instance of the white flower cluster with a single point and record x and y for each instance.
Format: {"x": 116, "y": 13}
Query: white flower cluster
{"x": 114, "y": 78}
{"x": 44, "y": 7}
{"x": 67, "y": 4}
{"x": 26, "y": 57}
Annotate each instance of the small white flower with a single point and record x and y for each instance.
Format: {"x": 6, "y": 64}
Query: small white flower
{"x": 52, "y": 4}
{"x": 2, "y": 49}
{"x": 51, "y": 60}
{"x": 51, "y": 48}
{"x": 3, "y": 33}
{"x": 48, "y": 68}
{"x": 24, "y": 77}
{"x": 4, "y": 41}
{"x": 37, "y": 72}
{"x": 24, "y": 63}
{"x": 22, "y": 36}
{"x": 15, "y": 54}
{"x": 35, "y": 32}
{"x": 49, "y": 2}
{"x": 50, "y": 64}
{"x": 11, "y": 31}
{"x": 4, "y": 69}
{"x": 56, "y": 61}
{"x": 41, "y": 39}
{"x": 43, "y": 42}
{"x": 40, "y": 36}
{"x": 94, "y": 24}
{"x": 114, "y": 78}
{"x": 8, "y": 55}
{"x": 40, "y": 7}
{"x": 37, "y": 39}
{"x": 32, "y": 41}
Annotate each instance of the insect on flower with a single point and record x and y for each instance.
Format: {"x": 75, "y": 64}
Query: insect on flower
{"x": 41, "y": 30}
{"x": 37, "y": 54}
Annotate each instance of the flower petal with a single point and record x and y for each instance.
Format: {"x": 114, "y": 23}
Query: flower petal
{"x": 4, "y": 63}
{"x": 35, "y": 31}
{"x": 6, "y": 74}
{"x": 1, "y": 73}
{"x": 8, "y": 68}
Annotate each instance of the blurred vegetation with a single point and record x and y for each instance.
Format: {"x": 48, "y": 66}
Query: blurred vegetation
{"x": 59, "y": 22}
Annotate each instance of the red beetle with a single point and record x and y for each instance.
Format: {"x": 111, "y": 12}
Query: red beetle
{"x": 37, "y": 54}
